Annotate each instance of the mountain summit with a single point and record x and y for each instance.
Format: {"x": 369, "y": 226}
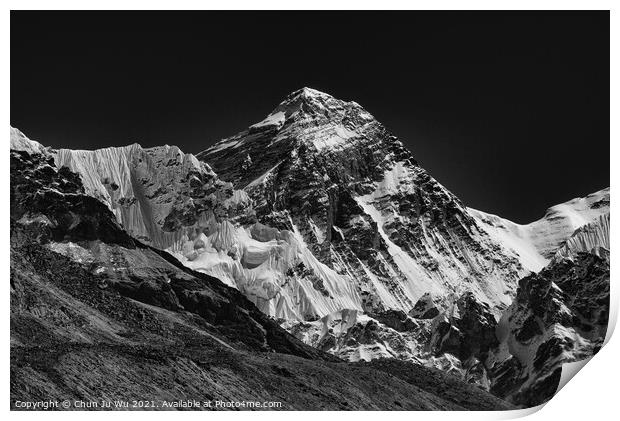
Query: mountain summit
{"x": 322, "y": 218}
{"x": 385, "y": 231}
{"x": 306, "y": 116}
{"x": 305, "y": 103}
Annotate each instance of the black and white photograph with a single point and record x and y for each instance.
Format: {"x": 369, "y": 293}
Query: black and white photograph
{"x": 302, "y": 210}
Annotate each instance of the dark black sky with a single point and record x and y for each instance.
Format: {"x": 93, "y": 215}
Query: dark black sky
{"x": 508, "y": 110}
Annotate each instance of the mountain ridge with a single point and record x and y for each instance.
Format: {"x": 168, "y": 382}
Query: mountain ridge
{"x": 326, "y": 222}
{"x": 327, "y": 204}
{"x": 98, "y": 316}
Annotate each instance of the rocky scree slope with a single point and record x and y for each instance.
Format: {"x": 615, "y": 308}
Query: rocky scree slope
{"x": 96, "y": 314}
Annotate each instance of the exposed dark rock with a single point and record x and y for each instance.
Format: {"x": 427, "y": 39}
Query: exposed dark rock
{"x": 560, "y": 315}
{"x": 37, "y": 188}
{"x": 422, "y": 311}
{"x": 397, "y": 320}
{"x": 467, "y": 330}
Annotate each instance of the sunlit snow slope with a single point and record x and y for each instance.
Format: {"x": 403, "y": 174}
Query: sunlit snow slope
{"x": 537, "y": 242}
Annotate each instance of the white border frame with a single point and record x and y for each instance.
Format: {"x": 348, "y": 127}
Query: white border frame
{"x": 592, "y": 394}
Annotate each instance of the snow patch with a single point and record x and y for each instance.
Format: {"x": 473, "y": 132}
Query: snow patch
{"x": 334, "y": 137}
{"x": 276, "y": 119}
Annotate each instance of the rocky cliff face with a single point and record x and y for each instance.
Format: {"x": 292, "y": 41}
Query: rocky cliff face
{"x": 456, "y": 339}
{"x": 559, "y": 315}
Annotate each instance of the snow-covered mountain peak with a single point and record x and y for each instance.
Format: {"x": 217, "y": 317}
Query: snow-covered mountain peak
{"x": 309, "y": 98}
{"x": 309, "y": 94}
{"x": 312, "y": 104}
{"x": 328, "y": 171}
{"x": 305, "y": 117}
{"x": 324, "y": 220}
{"x": 307, "y": 123}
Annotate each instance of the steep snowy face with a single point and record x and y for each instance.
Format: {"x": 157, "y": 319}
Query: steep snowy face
{"x": 588, "y": 238}
{"x": 158, "y": 194}
{"x": 535, "y": 244}
{"x": 358, "y": 203}
{"x": 273, "y": 268}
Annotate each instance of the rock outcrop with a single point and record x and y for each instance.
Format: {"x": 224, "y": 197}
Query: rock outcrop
{"x": 560, "y": 315}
